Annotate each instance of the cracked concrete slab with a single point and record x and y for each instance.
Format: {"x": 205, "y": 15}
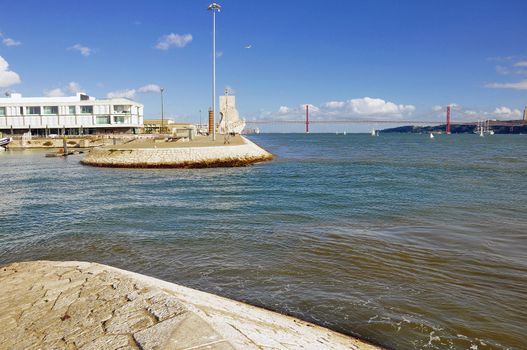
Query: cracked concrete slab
{"x": 80, "y": 305}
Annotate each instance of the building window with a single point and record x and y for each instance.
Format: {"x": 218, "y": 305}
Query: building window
{"x": 119, "y": 119}
{"x": 33, "y": 110}
{"x": 2, "y": 111}
{"x": 102, "y": 120}
{"x": 71, "y": 110}
{"x": 87, "y": 109}
{"x": 122, "y": 109}
{"x": 51, "y": 110}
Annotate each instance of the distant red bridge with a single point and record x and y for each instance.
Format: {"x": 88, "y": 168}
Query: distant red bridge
{"x": 447, "y": 122}
{"x": 375, "y": 121}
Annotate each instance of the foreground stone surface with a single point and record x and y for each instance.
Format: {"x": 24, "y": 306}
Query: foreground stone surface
{"x": 79, "y": 305}
{"x": 193, "y": 154}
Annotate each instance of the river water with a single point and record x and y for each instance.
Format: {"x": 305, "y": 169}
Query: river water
{"x": 405, "y": 241}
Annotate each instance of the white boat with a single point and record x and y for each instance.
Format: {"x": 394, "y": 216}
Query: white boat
{"x": 431, "y": 135}
{"x": 374, "y": 132}
{"x": 344, "y": 133}
{"x": 5, "y": 141}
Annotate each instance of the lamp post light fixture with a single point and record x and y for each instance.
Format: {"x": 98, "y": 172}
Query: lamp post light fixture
{"x": 214, "y": 7}
{"x": 161, "y": 90}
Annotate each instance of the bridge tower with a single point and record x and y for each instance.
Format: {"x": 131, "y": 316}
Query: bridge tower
{"x": 448, "y": 120}
{"x": 307, "y": 119}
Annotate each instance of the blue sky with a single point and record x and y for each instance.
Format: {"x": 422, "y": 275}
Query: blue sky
{"x": 347, "y": 59}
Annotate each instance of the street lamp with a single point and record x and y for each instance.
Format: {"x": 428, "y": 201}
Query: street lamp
{"x": 214, "y": 7}
{"x": 162, "y": 111}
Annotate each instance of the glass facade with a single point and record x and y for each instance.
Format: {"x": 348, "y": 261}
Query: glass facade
{"x": 2, "y": 111}
{"x": 124, "y": 109}
{"x": 33, "y": 110}
{"x": 87, "y": 109}
{"x": 102, "y": 120}
{"x": 51, "y": 109}
{"x": 119, "y": 119}
{"x": 71, "y": 110}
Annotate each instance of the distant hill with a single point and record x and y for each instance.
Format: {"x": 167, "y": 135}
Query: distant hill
{"x": 499, "y": 127}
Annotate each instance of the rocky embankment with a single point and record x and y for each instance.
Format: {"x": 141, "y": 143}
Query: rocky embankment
{"x": 195, "y": 154}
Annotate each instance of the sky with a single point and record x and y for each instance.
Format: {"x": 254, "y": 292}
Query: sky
{"x": 347, "y": 60}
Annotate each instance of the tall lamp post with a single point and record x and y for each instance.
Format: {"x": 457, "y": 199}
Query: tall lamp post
{"x": 214, "y": 7}
{"x": 162, "y": 111}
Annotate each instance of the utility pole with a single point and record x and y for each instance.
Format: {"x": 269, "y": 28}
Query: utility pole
{"x": 214, "y": 7}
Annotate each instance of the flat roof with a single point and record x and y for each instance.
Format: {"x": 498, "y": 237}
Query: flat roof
{"x": 78, "y": 97}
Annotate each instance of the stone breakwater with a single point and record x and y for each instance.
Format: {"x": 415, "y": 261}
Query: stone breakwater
{"x": 178, "y": 155}
{"x": 79, "y": 305}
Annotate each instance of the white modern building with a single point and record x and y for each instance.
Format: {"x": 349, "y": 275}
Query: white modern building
{"x": 73, "y": 115}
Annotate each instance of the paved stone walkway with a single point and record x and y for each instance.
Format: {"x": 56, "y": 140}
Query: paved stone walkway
{"x": 76, "y": 305}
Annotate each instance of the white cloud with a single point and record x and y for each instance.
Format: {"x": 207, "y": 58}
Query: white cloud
{"x": 74, "y": 87}
{"x": 54, "y": 93}
{"x": 312, "y": 108}
{"x": 371, "y": 107}
{"x": 284, "y": 110}
{"x": 84, "y": 50}
{"x": 172, "y": 39}
{"x": 507, "y": 112}
{"x": 437, "y": 108}
{"x": 149, "y": 88}
{"x": 9, "y": 41}
{"x": 7, "y": 77}
{"x": 132, "y": 93}
{"x": 335, "y": 104}
{"x": 522, "y": 85}
{"x": 519, "y": 68}
{"x": 71, "y": 88}
{"x": 368, "y": 106}
{"x": 127, "y": 93}
{"x": 377, "y": 106}
{"x": 521, "y": 64}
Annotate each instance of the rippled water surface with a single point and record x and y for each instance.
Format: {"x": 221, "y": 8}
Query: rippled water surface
{"x": 409, "y": 242}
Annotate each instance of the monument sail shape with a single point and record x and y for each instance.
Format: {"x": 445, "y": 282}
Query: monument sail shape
{"x": 230, "y": 121}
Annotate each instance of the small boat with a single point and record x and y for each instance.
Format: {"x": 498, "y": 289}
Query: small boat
{"x": 344, "y": 133}
{"x": 374, "y": 132}
{"x": 431, "y": 135}
{"x": 5, "y": 141}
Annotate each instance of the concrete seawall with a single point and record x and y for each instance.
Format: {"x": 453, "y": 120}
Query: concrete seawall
{"x": 79, "y": 305}
{"x": 177, "y": 155}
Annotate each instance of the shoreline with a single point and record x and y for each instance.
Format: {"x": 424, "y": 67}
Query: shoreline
{"x": 93, "y": 306}
{"x": 193, "y": 154}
